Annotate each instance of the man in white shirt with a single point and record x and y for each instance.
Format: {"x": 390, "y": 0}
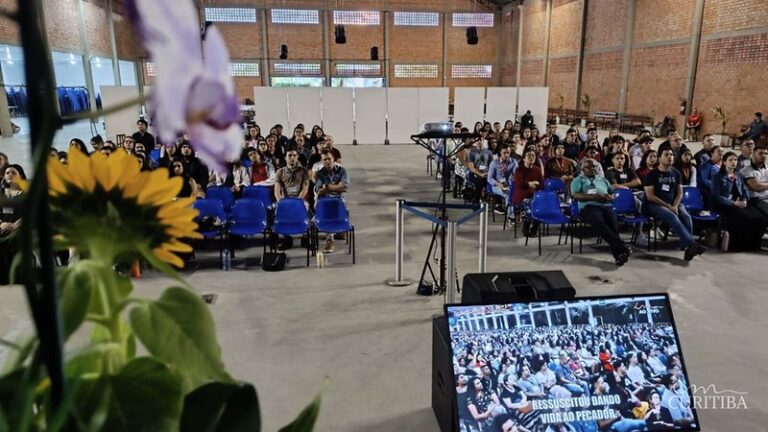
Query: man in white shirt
{"x": 756, "y": 176}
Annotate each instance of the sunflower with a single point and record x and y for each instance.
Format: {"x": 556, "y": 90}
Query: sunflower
{"x": 108, "y": 207}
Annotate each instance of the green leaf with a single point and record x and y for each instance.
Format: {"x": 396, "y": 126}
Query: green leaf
{"x": 90, "y": 360}
{"x": 222, "y": 407}
{"x": 305, "y": 422}
{"x": 146, "y": 396}
{"x": 178, "y": 329}
{"x": 162, "y": 265}
{"x": 15, "y": 392}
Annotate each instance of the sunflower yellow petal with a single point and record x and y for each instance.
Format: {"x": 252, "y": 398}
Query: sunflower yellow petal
{"x": 176, "y": 246}
{"x": 58, "y": 176}
{"x": 157, "y": 181}
{"x": 80, "y": 170}
{"x": 178, "y": 215}
{"x": 100, "y": 170}
{"x": 166, "y": 194}
{"x": 168, "y": 257}
{"x": 135, "y": 185}
{"x": 181, "y": 233}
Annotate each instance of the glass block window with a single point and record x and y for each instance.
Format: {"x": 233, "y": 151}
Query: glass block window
{"x": 357, "y": 17}
{"x": 242, "y": 69}
{"x": 416, "y": 71}
{"x": 431, "y": 19}
{"x": 297, "y": 69}
{"x": 230, "y": 14}
{"x": 471, "y": 71}
{"x": 150, "y": 69}
{"x": 473, "y": 19}
{"x": 358, "y": 69}
{"x": 295, "y": 16}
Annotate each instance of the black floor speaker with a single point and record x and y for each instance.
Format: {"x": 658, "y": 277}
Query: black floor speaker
{"x": 515, "y": 286}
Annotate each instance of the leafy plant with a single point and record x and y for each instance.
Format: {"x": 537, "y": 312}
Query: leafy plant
{"x": 150, "y": 364}
{"x": 722, "y": 116}
{"x": 586, "y": 102}
{"x": 560, "y": 101}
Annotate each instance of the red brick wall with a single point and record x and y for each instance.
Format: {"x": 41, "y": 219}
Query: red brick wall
{"x": 510, "y": 25}
{"x": 419, "y": 45}
{"x": 97, "y": 28}
{"x": 601, "y": 80}
{"x": 561, "y": 80}
{"x": 657, "y": 80}
{"x": 9, "y": 30}
{"x": 728, "y": 15}
{"x": 606, "y": 24}
{"x": 61, "y": 24}
{"x": 565, "y": 27}
{"x": 663, "y": 19}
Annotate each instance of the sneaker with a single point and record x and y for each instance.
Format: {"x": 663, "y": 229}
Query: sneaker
{"x": 690, "y": 252}
{"x": 328, "y": 248}
{"x": 498, "y": 210}
{"x": 701, "y": 249}
{"x": 622, "y": 258}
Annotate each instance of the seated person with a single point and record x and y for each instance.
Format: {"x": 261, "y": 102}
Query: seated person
{"x": 237, "y": 179}
{"x": 528, "y": 179}
{"x": 676, "y": 399}
{"x": 478, "y": 163}
{"x": 747, "y": 147}
{"x": 745, "y": 224}
{"x": 613, "y": 132}
{"x": 707, "y": 173}
{"x": 594, "y": 195}
{"x": 647, "y": 164}
{"x": 637, "y": 151}
{"x": 261, "y": 173}
{"x": 664, "y": 191}
{"x": 591, "y": 153}
{"x": 757, "y": 128}
{"x": 616, "y": 144}
{"x": 331, "y": 180}
{"x": 592, "y": 139}
{"x": 687, "y": 169}
{"x": 674, "y": 142}
{"x": 572, "y": 144}
{"x": 500, "y": 173}
{"x": 567, "y": 379}
{"x": 756, "y": 176}
{"x": 621, "y": 176}
{"x": 701, "y": 156}
{"x": 10, "y": 219}
{"x": 559, "y": 166}
{"x": 292, "y": 180}
{"x": 692, "y": 125}
{"x": 189, "y": 187}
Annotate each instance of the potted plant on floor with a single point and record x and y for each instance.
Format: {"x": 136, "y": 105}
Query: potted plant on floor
{"x": 149, "y": 364}
{"x": 722, "y": 116}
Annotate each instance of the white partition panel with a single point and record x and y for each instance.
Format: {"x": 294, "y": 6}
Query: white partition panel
{"x": 468, "y": 105}
{"x": 304, "y": 107}
{"x": 402, "y": 114}
{"x": 535, "y": 99}
{"x": 271, "y": 108}
{"x": 370, "y": 115}
{"x": 338, "y": 114}
{"x": 121, "y": 122}
{"x": 500, "y": 104}
{"x": 433, "y": 105}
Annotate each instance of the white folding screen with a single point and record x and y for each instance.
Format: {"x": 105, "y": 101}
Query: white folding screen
{"x": 271, "y": 108}
{"x": 433, "y": 105}
{"x": 468, "y": 105}
{"x": 338, "y": 114}
{"x": 304, "y": 107}
{"x": 370, "y": 115}
{"x": 121, "y": 122}
{"x": 500, "y": 104}
{"x": 402, "y": 114}
{"x": 535, "y": 99}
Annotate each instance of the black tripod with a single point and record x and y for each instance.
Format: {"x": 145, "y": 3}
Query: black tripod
{"x": 439, "y": 284}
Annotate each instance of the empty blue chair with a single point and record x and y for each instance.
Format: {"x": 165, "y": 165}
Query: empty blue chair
{"x": 154, "y": 157}
{"x": 546, "y": 210}
{"x": 265, "y": 194}
{"x": 625, "y": 207}
{"x": 249, "y": 218}
{"x": 223, "y": 194}
{"x": 694, "y": 203}
{"x": 291, "y": 218}
{"x": 332, "y": 217}
{"x": 554, "y": 184}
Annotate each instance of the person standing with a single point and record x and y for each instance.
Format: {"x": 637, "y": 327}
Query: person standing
{"x": 664, "y": 191}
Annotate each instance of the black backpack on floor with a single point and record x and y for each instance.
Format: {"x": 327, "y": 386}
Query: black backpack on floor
{"x": 273, "y": 261}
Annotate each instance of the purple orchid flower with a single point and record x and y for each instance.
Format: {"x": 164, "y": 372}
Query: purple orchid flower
{"x": 193, "y": 90}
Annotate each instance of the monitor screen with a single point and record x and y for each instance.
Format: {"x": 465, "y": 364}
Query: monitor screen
{"x": 586, "y": 364}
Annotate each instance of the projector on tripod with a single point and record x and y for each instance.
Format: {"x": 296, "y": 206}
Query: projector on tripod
{"x": 438, "y": 127}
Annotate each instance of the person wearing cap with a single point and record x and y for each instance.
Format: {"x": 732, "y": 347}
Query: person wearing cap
{"x": 142, "y": 135}
{"x": 595, "y": 197}
{"x": 757, "y": 128}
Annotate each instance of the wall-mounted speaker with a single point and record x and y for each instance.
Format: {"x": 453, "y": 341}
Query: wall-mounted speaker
{"x": 283, "y": 52}
{"x": 374, "y": 53}
{"x": 472, "y": 38}
{"x": 341, "y": 35}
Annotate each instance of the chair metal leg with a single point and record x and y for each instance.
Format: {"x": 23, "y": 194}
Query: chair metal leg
{"x": 570, "y": 233}
{"x": 538, "y": 231}
{"x": 354, "y": 246}
{"x": 581, "y": 237}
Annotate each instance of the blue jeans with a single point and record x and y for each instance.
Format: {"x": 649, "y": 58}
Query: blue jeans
{"x": 498, "y": 192}
{"x": 629, "y": 425}
{"x": 680, "y": 223}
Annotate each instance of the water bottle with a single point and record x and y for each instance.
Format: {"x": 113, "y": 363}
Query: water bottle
{"x": 227, "y": 261}
{"x": 726, "y": 240}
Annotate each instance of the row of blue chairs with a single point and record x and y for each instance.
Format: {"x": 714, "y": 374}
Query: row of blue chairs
{"x": 249, "y": 217}
{"x": 546, "y": 209}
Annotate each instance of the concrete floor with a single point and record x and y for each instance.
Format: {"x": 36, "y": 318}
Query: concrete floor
{"x": 287, "y": 332}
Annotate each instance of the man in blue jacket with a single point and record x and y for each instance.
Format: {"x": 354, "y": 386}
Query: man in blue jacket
{"x": 707, "y": 173}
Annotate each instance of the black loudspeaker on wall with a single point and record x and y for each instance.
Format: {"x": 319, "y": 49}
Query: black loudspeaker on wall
{"x": 472, "y": 38}
{"x": 283, "y": 52}
{"x": 374, "y": 53}
{"x": 341, "y": 35}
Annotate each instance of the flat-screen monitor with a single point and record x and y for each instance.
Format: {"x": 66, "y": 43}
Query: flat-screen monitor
{"x": 579, "y": 365}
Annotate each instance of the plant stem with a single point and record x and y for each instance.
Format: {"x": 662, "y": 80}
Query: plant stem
{"x": 44, "y": 120}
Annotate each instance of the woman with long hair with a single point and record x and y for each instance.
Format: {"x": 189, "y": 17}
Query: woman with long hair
{"x": 317, "y": 136}
{"x": 686, "y": 167}
{"x": 10, "y": 218}
{"x": 730, "y": 195}
{"x": 482, "y": 403}
{"x": 78, "y": 144}
{"x": 189, "y": 187}
{"x": 253, "y": 136}
{"x": 514, "y": 400}
{"x": 647, "y": 164}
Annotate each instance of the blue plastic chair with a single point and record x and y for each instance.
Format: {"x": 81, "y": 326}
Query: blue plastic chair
{"x": 154, "y": 157}
{"x": 332, "y": 217}
{"x": 265, "y": 194}
{"x": 694, "y": 203}
{"x": 223, "y": 194}
{"x": 249, "y": 218}
{"x": 554, "y": 184}
{"x": 546, "y": 210}
{"x": 212, "y": 209}
{"x": 291, "y": 218}
{"x": 625, "y": 207}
